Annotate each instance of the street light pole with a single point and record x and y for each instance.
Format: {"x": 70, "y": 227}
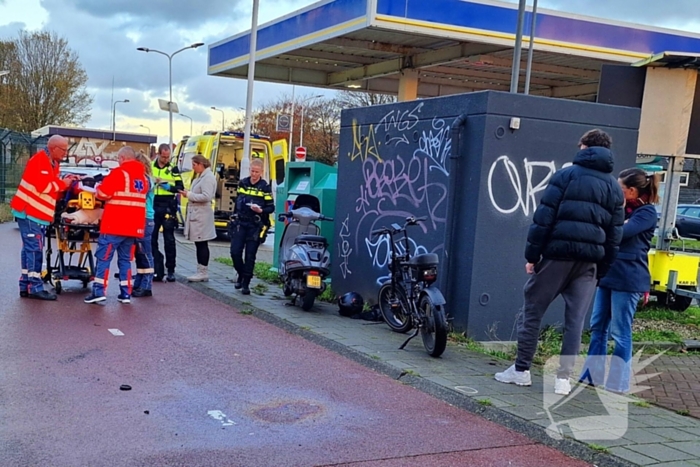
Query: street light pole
{"x": 114, "y": 118}
{"x": 303, "y": 107}
{"x": 170, "y": 80}
{"x": 223, "y": 117}
{"x": 291, "y": 126}
{"x": 183, "y": 115}
{"x": 147, "y": 128}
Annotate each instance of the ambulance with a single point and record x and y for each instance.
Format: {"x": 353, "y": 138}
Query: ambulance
{"x": 224, "y": 149}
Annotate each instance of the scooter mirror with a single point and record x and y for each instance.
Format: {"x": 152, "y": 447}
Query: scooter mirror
{"x": 281, "y": 217}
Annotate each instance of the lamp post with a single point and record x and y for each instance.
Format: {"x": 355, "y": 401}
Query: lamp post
{"x": 303, "y": 106}
{"x": 223, "y": 116}
{"x": 147, "y": 128}
{"x": 170, "y": 79}
{"x": 183, "y": 115}
{"x": 114, "y": 118}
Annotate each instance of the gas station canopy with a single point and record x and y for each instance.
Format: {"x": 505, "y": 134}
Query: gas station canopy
{"x": 427, "y": 48}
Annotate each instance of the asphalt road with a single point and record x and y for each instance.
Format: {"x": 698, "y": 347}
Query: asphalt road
{"x": 210, "y": 386}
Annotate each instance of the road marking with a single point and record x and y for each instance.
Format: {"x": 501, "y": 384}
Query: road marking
{"x": 116, "y": 332}
{"x": 466, "y": 390}
{"x": 219, "y": 415}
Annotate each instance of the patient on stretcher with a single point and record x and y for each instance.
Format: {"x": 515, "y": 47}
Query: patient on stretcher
{"x": 82, "y": 206}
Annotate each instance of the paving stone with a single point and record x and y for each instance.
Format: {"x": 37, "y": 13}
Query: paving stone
{"x": 691, "y": 447}
{"x": 662, "y": 453}
{"x": 643, "y": 436}
{"x": 632, "y": 456}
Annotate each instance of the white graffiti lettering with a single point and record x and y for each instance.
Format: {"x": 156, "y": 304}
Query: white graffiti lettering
{"x": 523, "y": 196}
{"x": 401, "y": 120}
{"x": 344, "y": 249}
{"x": 379, "y": 249}
{"x": 436, "y": 145}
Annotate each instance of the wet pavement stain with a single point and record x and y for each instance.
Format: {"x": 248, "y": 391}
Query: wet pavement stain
{"x": 287, "y": 411}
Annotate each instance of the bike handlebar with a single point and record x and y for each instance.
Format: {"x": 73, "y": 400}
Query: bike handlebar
{"x": 409, "y": 221}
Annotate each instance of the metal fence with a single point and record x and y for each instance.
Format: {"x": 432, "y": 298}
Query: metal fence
{"x": 15, "y": 150}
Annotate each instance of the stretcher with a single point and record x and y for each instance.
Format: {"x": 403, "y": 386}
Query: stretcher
{"x": 74, "y": 229}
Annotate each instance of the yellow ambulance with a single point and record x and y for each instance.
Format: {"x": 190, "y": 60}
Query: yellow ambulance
{"x": 225, "y": 151}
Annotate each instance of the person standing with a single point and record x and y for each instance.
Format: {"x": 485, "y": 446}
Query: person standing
{"x": 620, "y": 290}
{"x": 168, "y": 182}
{"x": 34, "y": 207}
{"x": 143, "y": 280}
{"x": 123, "y": 221}
{"x": 199, "y": 222}
{"x": 573, "y": 240}
{"x": 251, "y": 221}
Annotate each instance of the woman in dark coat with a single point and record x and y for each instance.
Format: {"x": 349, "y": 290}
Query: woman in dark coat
{"x": 620, "y": 290}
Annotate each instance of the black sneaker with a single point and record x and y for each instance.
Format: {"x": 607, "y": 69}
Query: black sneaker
{"x": 126, "y": 299}
{"x": 171, "y": 277}
{"x": 158, "y": 278}
{"x": 94, "y": 299}
{"x": 23, "y": 294}
{"x": 43, "y": 295}
{"x": 141, "y": 293}
{"x": 238, "y": 282}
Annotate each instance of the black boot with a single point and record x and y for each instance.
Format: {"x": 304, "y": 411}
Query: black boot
{"x": 239, "y": 282}
{"x": 245, "y": 282}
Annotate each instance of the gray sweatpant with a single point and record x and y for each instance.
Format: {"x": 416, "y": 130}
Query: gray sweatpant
{"x": 576, "y": 282}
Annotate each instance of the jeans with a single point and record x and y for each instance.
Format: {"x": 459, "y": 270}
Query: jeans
{"x": 244, "y": 235}
{"x": 106, "y": 245}
{"x": 33, "y": 235}
{"x": 613, "y": 313}
{"x": 144, "y": 259}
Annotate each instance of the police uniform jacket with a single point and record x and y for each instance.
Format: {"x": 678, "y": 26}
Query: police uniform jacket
{"x": 260, "y": 194}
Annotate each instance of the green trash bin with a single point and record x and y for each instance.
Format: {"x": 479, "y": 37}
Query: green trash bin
{"x": 307, "y": 178}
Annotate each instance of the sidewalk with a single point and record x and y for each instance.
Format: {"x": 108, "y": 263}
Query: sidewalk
{"x": 654, "y": 436}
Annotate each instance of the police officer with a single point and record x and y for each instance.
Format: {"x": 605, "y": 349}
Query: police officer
{"x": 250, "y": 223}
{"x": 168, "y": 182}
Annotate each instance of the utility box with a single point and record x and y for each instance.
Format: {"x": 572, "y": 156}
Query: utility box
{"x": 477, "y": 188}
{"x": 307, "y": 178}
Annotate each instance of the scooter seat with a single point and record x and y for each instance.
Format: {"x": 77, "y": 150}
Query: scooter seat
{"x": 311, "y": 239}
{"x": 425, "y": 260}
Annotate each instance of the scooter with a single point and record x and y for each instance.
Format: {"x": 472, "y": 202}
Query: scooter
{"x": 304, "y": 261}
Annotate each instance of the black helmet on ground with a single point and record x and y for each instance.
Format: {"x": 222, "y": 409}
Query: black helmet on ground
{"x": 350, "y": 304}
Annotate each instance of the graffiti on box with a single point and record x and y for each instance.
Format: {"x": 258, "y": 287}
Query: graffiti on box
{"x": 402, "y": 162}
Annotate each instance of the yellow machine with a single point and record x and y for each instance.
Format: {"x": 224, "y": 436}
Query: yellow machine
{"x": 225, "y": 151}
{"x": 664, "y": 266}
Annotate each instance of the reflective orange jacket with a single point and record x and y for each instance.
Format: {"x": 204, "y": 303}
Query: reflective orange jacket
{"x": 125, "y": 190}
{"x": 39, "y": 188}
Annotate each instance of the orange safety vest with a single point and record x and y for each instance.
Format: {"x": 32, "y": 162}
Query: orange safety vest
{"x": 125, "y": 188}
{"x": 39, "y": 188}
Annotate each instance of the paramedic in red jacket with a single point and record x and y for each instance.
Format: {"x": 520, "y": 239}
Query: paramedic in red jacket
{"x": 34, "y": 207}
{"x": 123, "y": 221}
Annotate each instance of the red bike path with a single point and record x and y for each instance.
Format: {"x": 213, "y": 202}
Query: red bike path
{"x": 210, "y": 386}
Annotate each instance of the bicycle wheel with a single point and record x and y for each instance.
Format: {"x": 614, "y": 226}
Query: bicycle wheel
{"x": 434, "y": 329}
{"x": 395, "y": 309}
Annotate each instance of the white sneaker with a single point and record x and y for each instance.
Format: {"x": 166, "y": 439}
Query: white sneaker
{"x": 512, "y": 376}
{"x": 562, "y": 386}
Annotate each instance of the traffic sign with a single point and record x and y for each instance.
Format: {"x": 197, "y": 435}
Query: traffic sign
{"x": 300, "y": 154}
{"x": 284, "y": 123}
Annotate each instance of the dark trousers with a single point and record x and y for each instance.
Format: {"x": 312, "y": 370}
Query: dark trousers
{"x": 575, "y": 282}
{"x": 244, "y": 236}
{"x": 202, "y": 252}
{"x": 169, "y": 225}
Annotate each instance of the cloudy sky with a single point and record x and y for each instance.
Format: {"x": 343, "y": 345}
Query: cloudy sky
{"x": 106, "y": 33}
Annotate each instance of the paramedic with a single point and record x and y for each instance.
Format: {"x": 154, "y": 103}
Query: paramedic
{"x": 34, "y": 206}
{"x": 250, "y": 223}
{"x": 123, "y": 222}
{"x": 168, "y": 183}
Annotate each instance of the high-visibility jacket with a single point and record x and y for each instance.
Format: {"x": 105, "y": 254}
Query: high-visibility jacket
{"x": 37, "y": 192}
{"x": 125, "y": 189}
{"x": 166, "y": 174}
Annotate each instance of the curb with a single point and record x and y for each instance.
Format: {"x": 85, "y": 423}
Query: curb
{"x": 531, "y": 430}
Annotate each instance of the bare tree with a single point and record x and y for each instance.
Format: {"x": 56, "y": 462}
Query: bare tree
{"x": 351, "y": 99}
{"x": 46, "y": 84}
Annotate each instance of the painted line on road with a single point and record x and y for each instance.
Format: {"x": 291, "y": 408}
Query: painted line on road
{"x": 219, "y": 415}
{"x": 116, "y": 332}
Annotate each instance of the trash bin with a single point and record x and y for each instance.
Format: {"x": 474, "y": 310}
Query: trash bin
{"x": 307, "y": 178}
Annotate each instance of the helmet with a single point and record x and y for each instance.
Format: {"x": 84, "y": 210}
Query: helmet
{"x": 350, "y": 304}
